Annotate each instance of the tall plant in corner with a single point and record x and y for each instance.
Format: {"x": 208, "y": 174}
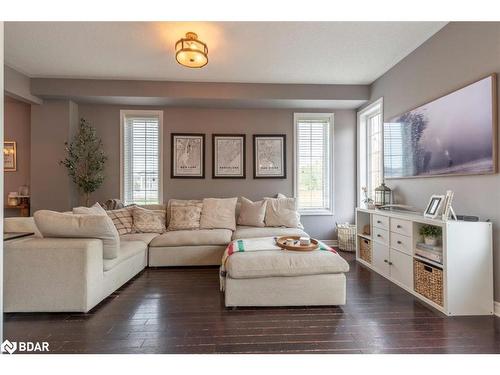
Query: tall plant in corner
{"x": 85, "y": 160}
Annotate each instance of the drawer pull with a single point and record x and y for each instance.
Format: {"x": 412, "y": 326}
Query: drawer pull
{"x": 399, "y": 226}
{"x": 379, "y": 222}
{"x": 390, "y": 263}
{"x": 400, "y": 243}
{"x": 378, "y": 235}
{"x": 386, "y": 261}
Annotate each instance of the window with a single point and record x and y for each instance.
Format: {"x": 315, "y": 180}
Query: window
{"x": 370, "y": 149}
{"x": 314, "y": 162}
{"x": 141, "y": 157}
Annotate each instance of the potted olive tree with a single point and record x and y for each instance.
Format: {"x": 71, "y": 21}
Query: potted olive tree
{"x": 85, "y": 160}
{"x": 431, "y": 234}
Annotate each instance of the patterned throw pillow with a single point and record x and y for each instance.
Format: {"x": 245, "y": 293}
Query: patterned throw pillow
{"x": 122, "y": 219}
{"x": 185, "y": 216}
{"x": 149, "y": 221}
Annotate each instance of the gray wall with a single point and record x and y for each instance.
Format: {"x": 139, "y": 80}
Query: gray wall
{"x": 17, "y": 128}
{"x": 52, "y": 123}
{"x": 458, "y": 54}
{"x": 106, "y": 118}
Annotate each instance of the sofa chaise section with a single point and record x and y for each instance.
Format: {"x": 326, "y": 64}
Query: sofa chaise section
{"x": 65, "y": 274}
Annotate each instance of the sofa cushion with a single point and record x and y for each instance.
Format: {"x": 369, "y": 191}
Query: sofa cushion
{"x": 242, "y": 232}
{"x": 284, "y": 263}
{"x": 282, "y": 212}
{"x": 144, "y": 237}
{"x": 148, "y": 221}
{"x": 56, "y": 224}
{"x": 252, "y": 213}
{"x": 96, "y": 209}
{"x": 127, "y": 250}
{"x": 179, "y": 202}
{"x": 193, "y": 237}
{"x": 122, "y": 219}
{"x": 218, "y": 213}
{"x": 185, "y": 216}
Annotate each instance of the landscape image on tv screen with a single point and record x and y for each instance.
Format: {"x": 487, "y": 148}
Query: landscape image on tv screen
{"x": 452, "y": 135}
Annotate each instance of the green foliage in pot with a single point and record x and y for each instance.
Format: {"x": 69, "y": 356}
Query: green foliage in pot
{"x": 430, "y": 231}
{"x": 85, "y": 160}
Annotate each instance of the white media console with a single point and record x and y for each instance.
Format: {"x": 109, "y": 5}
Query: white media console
{"x": 390, "y": 239}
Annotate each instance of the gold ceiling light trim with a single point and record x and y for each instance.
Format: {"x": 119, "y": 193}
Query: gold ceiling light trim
{"x": 191, "y": 52}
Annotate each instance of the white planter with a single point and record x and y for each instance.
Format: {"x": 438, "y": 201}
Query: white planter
{"x": 431, "y": 241}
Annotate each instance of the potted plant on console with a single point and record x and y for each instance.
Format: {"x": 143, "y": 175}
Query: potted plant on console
{"x": 431, "y": 234}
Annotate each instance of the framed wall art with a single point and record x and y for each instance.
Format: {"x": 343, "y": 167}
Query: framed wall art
{"x": 9, "y": 156}
{"x": 228, "y": 156}
{"x": 187, "y": 155}
{"x": 269, "y": 156}
{"x": 453, "y": 135}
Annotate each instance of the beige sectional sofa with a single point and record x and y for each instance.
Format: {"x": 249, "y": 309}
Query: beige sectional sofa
{"x": 72, "y": 274}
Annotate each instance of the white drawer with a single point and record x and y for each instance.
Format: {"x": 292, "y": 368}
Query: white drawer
{"x": 403, "y": 227}
{"x": 380, "y": 221}
{"x": 401, "y": 243}
{"x": 381, "y": 236}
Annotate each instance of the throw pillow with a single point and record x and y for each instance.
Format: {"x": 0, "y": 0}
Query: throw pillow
{"x": 218, "y": 213}
{"x": 282, "y": 212}
{"x": 148, "y": 221}
{"x": 122, "y": 219}
{"x": 185, "y": 216}
{"x": 68, "y": 225}
{"x": 252, "y": 213}
{"x": 180, "y": 202}
{"x": 96, "y": 209}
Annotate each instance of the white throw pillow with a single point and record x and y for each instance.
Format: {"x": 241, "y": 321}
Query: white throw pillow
{"x": 282, "y": 212}
{"x": 68, "y": 225}
{"x": 123, "y": 219}
{"x": 96, "y": 209}
{"x": 252, "y": 213}
{"x": 148, "y": 221}
{"x": 218, "y": 213}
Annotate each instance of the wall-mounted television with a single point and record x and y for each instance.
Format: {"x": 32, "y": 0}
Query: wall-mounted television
{"x": 453, "y": 135}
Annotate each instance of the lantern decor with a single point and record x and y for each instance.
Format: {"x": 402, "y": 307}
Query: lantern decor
{"x": 383, "y": 195}
{"x": 191, "y": 52}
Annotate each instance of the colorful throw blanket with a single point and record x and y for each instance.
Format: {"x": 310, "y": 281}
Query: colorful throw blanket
{"x": 255, "y": 244}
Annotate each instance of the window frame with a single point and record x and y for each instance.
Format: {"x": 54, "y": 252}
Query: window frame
{"x": 363, "y": 170}
{"x": 124, "y": 113}
{"x": 297, "y": 116}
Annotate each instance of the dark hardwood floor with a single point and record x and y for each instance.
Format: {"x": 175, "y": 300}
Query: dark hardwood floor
{"x": 181, "y": 311}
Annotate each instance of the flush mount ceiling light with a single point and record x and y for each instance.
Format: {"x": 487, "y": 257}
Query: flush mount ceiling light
{"x": 191, "y": 52}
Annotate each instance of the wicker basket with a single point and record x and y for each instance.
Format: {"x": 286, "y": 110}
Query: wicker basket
{"x": 428, "y": 281}
{"x": 365, "y": 250}
{"x": 347, "y": 237}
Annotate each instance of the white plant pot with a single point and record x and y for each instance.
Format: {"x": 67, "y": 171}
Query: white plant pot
{"x": 431, "y": 241}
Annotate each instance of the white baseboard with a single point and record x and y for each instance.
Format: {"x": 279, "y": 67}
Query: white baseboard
{"x": 497, "y": 308}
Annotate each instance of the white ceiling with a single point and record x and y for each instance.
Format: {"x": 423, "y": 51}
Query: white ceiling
{"x": 258, "y": 52}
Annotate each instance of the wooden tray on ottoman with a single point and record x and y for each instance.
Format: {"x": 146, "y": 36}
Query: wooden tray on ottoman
{"x": 281, "y": 243}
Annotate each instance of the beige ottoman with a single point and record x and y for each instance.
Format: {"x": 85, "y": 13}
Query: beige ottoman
{"x": 285, "y": 278}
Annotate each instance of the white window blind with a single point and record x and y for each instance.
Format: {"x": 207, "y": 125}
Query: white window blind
{"x": 374, "y": 152}
{"x": 313, "y": 163}
{"x": 141, "y": 158}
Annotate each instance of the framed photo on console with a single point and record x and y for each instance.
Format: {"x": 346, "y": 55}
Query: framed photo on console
{"x": 435, "y": 203}
{"x": 187, "y": 155}
{"x": 269, "y": 156}
{"x": 228, "y": 156}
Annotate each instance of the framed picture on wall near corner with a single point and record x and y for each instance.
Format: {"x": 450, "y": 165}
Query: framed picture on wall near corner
{"x": 269, "y": 156}
{"x": 228, "y": 156}
{"x": 187, "y": 155}
{"x": 9, "y": 156}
